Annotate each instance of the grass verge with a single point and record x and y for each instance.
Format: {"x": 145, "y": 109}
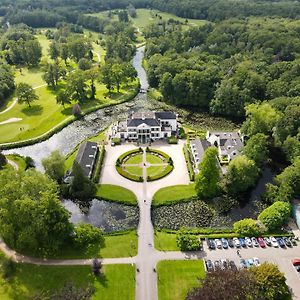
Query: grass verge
{"x": 115, "y": 193}
{"x": 164, "y": 241}
{"x": 30, "y": 281}
{"x": 173, "y": 194}
{"x": 117, "y": 244}
{"x": 177, "y": 278}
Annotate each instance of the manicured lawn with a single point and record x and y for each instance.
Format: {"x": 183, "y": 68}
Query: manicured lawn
{"x": 135, "y": 170}
{"x": 136, "y": 159}
{"x": 153, "y": 159}
{"x": 20, "y": 161}
{"x": 173, "y": 193}
{"x": 164, "y": 241}
{"x": 118, "y": 245}
{"x": 116, "y": 282}
{"x": 177, "y": 278}
{"x": 45, "y": 113}
{"x": 146, "y": 17}
{"x": 155, "y": 170}
{"x": 116, "y": 193}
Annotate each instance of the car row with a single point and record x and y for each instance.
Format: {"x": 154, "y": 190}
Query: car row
{"x": 251, "y": 242}
{"x": 222, "y": 264}
{"x": 247, "y": 263}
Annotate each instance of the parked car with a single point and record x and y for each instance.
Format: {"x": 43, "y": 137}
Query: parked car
{"x": 209, "y": 265}
{"x": 249, "y": 262}
{"x": 274, "y": 242}
{"x": 280, "y": 242}
{"x": 224, "y": 264}
{"x": 296, "y": 262}
{"x": 256, "y": 261}
{"x": 211, "y": 244}
{"x": 248, "y": 242}
{"x": 232, "y": 265}
{"x": 230, "y": 243}
{"x": 243, "y": 264}
{"x": 224, "y": 243}
{"x": 243, "y": 243}
{"x": 267, "y": 241}
{"x": 287, "y": 241}
{"x": 293, "y": 241}
{"x": 236, "y": 242}
{"x": 218, "y": 243}
{"x": 217, "y": 264}
{"x": 261, "y": 242}
{"x": 254, "y": 242}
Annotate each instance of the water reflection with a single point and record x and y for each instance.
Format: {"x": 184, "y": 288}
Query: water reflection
{"x": 105, "y": 215}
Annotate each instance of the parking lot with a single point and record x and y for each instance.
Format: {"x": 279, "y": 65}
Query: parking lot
{"x": 282, "y": 257}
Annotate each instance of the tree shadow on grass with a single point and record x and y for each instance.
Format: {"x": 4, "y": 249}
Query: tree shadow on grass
{"x": 34, "y": 110}
{"x": 101, "y": 278}
{"x": 67, "y": 111}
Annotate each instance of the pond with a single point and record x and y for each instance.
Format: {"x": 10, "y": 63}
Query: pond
{"x": 106, "y": 215}
{"x": 190, "y": 215}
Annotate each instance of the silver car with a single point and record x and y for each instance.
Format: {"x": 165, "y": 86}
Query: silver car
{"x": 248, "y": 242}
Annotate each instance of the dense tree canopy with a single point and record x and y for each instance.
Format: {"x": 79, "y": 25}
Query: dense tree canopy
{"x": 274, "y": 216}
{"x": 28, "y": 196}
{"x": 241, "y": 175}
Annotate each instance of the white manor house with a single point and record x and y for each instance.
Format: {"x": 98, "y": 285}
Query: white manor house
{"x": 146, "y": 126}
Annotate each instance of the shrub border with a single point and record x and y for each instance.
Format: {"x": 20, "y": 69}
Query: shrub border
{"x": 120, "y": 161}
{"x": 66, "y": 122}
{"x": 188, "y": 162}
{"x": 99, "y": 164}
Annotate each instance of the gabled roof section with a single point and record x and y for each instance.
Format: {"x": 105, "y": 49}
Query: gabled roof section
{"x": 137, "y": 122}
{"x": 86, "y": 156}
{"x": 165, "y": 115}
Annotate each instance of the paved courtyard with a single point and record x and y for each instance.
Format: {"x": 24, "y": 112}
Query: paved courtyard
{"x": 179, "y": 175}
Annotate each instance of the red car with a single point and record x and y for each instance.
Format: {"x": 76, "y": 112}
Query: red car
{"x": 261, "y": 242}
{"x": 296, "y": 262}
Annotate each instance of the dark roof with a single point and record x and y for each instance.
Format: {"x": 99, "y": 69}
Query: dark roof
{"x": 86, "y": 157}
{"x": 199, "y": 146}
{"x": 165, "y": 115}
{"x": 137, "y": 122}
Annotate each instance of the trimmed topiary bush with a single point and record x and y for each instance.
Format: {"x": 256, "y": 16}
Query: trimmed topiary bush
{"x": 274, "y": 216}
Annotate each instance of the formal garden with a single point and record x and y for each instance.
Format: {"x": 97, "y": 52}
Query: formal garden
{"x": 131, "y": 164}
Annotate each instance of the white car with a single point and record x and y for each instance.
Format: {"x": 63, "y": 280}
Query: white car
{"x": 274, "y": 242}
{"x": 248, "y": 242}
{"x": 218, "y": 243}
{"x": 236, "y": 242}
{"x": 256, "y": 261}
{"x": 254, "y": 242}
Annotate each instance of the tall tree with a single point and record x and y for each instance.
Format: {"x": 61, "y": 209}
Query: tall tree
{"x": 54, "y": 166}
{"x": 63, "y": 98}
{"x": 257, "y": 148}
{"x": 26, "y": 93}
{"x": 28, "y": 196}
{"x": 231, "y": 284}
{"x": 241, "y": 175}
{"x": 207, "y": 181}
{"x": 81, "y": 187}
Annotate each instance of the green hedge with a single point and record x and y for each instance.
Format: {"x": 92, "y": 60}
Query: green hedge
{"x": 65, "y": 123}
{"x": 217, "y": 233}
{"x": 124, "y": 155}
{"x": 172, "y": 140}
{"x": 128, "y": 175}
{"x": 189, "y": 163}
{"x": 99, "y": 163}
{"x": 163, "y": 154}
{"x": 163, "y": 174}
